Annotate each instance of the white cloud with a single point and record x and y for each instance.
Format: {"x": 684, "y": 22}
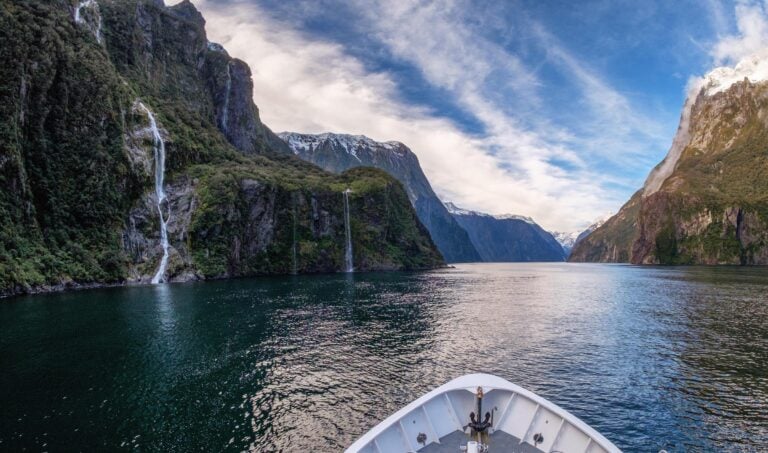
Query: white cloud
{"x": 305, "y": 85}
{"x": 752, "y": 36}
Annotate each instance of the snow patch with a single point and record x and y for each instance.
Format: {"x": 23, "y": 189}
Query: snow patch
{"x": 351, "y": 144}
{"x": 455, "y": 210}
{"x": 515, "y": 217}
{"x": 567, "y": 240}
{"x": 570, "y": 239}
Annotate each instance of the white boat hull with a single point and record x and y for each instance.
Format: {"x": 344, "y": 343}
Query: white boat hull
{"x": 522, "y": 421}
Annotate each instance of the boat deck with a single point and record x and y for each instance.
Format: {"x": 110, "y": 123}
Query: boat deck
{"x": 498, "y": 442}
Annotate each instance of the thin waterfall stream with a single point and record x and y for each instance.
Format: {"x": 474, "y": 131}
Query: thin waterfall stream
{"x": 225, "y": 109}
{"x": 159, "y": 153}
{"x": 348, "y": 264}
{"x": 79, "y": 19}
{"x": 294, "y": 258}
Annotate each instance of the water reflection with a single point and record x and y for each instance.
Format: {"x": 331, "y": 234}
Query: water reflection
{"x": 651, "y": 357}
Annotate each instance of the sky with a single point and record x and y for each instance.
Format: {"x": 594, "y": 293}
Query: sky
{"x": 556, "y": 110}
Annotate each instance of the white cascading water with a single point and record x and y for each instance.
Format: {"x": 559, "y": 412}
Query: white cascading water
{"x": 348, "y": 264}
{"x": 159, "y": 149}
{"x": 294, "y": 258}
{"x": 80, "y": 20}
{"x": 225, "y": 112}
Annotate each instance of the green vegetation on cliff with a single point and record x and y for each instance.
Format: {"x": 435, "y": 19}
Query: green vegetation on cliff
{"x": 76, "y": 160}
{"x": 65, "y": 180}
{"x": 713, "y": 209}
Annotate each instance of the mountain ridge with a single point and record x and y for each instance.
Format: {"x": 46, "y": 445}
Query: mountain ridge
{"x": 707, "y": 201}
{"x": 508, "y": 238}
{"x": 79, "y": 154}
{"x": 339, "y": 152}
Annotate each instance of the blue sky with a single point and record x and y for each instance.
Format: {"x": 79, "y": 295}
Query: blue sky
{"x": 551, "y": 109}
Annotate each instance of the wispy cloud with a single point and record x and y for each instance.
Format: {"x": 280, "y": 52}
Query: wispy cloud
{"x": 524, "y": 162}
{"x": 752, "y": 35}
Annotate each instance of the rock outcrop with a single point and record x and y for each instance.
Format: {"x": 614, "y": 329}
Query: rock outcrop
{"x": 78, "y": 204}
{"x": 707, "y": 203}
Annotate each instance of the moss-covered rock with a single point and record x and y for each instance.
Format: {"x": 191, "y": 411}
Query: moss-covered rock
{"x": 77, "y": 202}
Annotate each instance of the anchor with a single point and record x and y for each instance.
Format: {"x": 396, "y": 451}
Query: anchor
{"x": 479, "y": 429}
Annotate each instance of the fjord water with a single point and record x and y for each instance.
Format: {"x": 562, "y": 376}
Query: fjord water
{"x": 673, "y": 358}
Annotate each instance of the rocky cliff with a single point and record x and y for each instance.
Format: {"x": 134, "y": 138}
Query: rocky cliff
{"x": 339, "y": 152}
{"x": 96, "y": 95}
{"x": 509, "y": 238}
{"x": 707, "y": 202}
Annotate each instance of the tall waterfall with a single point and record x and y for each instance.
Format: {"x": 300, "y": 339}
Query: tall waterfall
{"x": 159, "y": 148}
{"x": 80, "y": 20}
{"x": 348, "y": 264}
{"x": 294, "y": 258}
{"x": 225, "y": 110}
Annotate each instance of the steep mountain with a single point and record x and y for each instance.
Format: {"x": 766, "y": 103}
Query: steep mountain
{"x": 566, "y": 240}
{"x": 339, "y": 152}
{"x": 507, "y": 238}
{"x": 130, "y": 149}
{"x": 707, "y": 201}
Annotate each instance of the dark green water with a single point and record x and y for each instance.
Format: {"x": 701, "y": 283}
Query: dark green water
{"x": 653, "y": 358}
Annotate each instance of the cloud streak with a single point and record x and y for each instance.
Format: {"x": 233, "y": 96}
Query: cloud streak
{"x": 751, "y": 36}
{"x": 522, "y": 163}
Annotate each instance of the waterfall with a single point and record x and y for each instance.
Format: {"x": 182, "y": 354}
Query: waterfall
{"x": 159, "y": 148}
{"x": 225, "y": 111}
{"x": 80, "y": 20}
{"x": 294, "y": 261}
{"x": 348, "y": 264}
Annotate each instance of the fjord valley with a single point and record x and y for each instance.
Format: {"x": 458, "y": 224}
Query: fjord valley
{"x": 438, "y": 217}
{"x": 97, "y": 95}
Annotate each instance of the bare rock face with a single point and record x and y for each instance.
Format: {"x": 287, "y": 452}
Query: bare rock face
{"x": 141, "y": 235}
{"x": 230, "y": 86}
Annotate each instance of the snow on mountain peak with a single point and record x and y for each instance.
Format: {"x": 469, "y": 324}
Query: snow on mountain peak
{"x": 350, "y": 143}
{"x": 455, "y": 210}
{"x": 568, "y": 240}
{"x": 515, "y": 217}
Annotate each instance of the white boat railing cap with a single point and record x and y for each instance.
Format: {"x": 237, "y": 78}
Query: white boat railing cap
{"x": 488, "y": 382}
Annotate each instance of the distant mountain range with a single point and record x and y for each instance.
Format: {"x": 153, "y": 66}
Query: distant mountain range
{"x": 569, "y": 240}
{"x": 707, "y": 201}
{"x": 566, "y": 240}
{"x": 339, "y": 152}
{"x": 507, "y": 238}
{"x": 461, "y": 235}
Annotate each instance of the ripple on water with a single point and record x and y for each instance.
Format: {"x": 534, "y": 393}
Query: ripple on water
{"x": 653, "y": 358}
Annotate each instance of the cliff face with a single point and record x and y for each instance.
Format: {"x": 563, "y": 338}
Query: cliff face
{"x": 611, "y": 242}
{"x": 78, "y": 157}
{"x": 338, "y": 152}
{"x": 708, "y": 202}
